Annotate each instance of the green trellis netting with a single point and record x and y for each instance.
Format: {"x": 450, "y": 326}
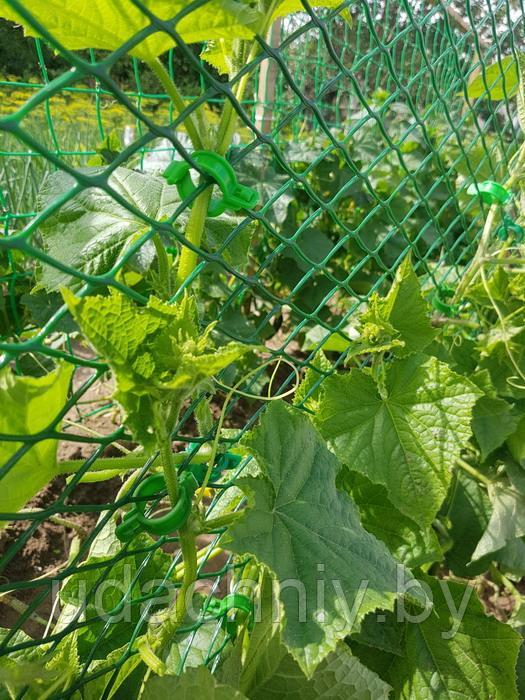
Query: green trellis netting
{"x": 360, "y": 140}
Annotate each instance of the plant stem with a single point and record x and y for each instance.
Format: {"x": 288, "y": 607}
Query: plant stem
{"x": 194, "y": 230}
{"x": 222, "y": 521}
{"x": 164, "y": 266}
{"x": 481, "y": 253}
{"x": 190, "y": 565}
{"x": 229, "y": 116}
{"x": 473, "y": 472}
{"x": 479, "y": 257}
{"x": 20, "y": 607}
{"x": 131, "y": 461}
{"x": 169, "y": 469}
{"x": 499, "y": 578}
{"x": 71, "y": 466}
{"x": 189, "y": 557}
{"x": 164, "y": 78}
{"x": 163, "y": 434}
{"x": 506, "y": 261}
{"x": 438, "y": 320}
{"x": 201, "y": 555}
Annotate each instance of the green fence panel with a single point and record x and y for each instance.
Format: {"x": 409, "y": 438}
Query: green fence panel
{"x": 355, "y": 129}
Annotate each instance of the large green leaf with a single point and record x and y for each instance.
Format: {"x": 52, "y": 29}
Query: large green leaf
{"x": 106, "y": 581}
{"x": 91, "y": 231}
{"x": 400, "y": 321}
{"x": 497, "y": 81}
{"x": 340, "y": 675}
{"x": 405, "y": 434}
{"x": 493, "y": 421}
{"x": 478, "y": 661}
{"x": 468, "y": 514}
{"x": 194, "y": 683}
{"x": 516, "y": 443}
{"x": 32, "y": 672}
{"x": 306, "y": 532}
{"x": 287, "y": 7}
{"x": 507, "y": 521}
{"x": 107, "y": 24}
{"x": 408, "y": 542}
{"x": 260, "y": 666}
{"x": 157, "y": 352}
{"x": 29, "y": 405}
{"x": 219, "y": 52}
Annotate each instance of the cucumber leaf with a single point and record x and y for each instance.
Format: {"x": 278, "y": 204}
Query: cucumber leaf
{"x": 496, "y": 82}
{"x": 288, "y": 7}
{"x": 507, "y": 521}
{"x": 405, "y": 434}
{"x": 408, "y": 542}
{"x": 30, "y": 672}
{"x": 91, "y": 231}
{"x": 157, "y": 352}
{"x": 107, "y": 24}
{"x": 400, "y": 321}
{"x": 493, "y": 421}
{"x": 29, "y": 405}
{"x": 305, "y": 531}
{"x": 193, "y": 683}
{"x": 478, "y": 661}
{"x": 468, "y": 513}
{"x": 341, "y": 672}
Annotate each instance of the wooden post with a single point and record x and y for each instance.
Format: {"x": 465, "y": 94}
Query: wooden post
{"x": 267, "y": 81}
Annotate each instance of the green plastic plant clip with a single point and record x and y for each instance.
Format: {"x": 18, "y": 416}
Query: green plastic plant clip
{"x": 509, "y": 225}
{"x": 135, "y": 522}
{"x": 234, "y": 195}
{"x": 439, "y": 301}
{"x": 235, "y": 601}
{"x": 490, "y": 192}
{"x": 228, "y": 461}
{"x": 223, "y": 462}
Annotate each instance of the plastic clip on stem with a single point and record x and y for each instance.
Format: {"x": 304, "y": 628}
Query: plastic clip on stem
{"x": 234, "y": 195}
{"x": 490, "y": 192}
{"x": 235, "y": 601}
{"x": 493, "y": 193}
{"x": 440, "y": 303}
{"x": 135, "y": 521}
{"x": 510, "y": 226}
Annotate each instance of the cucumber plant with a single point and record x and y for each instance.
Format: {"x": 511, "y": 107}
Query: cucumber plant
{"x": 364, "y": 512}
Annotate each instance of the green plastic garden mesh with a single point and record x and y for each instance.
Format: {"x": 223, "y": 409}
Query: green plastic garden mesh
{"x": 356, "y": 132}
